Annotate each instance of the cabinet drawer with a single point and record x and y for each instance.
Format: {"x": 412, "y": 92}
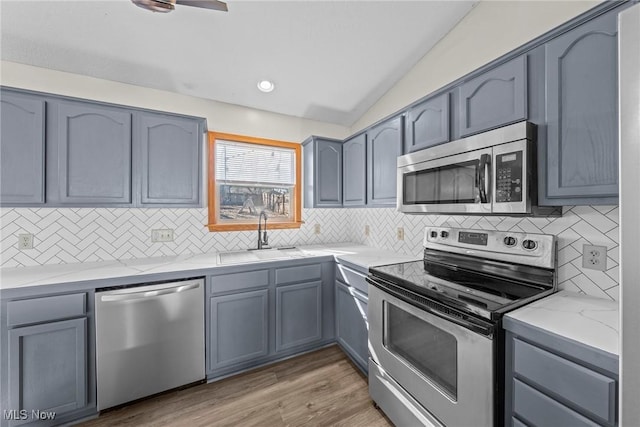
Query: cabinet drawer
{"x": 590, "y": 391}
{"x": 300, "y": 273}
{"x": 45, "y": 309}
{"x": 352, "y": 278}
{"x": 538, "y": 409}
{"x": 236, "y": 281}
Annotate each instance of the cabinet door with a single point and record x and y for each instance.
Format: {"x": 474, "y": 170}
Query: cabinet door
{"x": 94, "y": 154}
{"x": 298, "y": 315}
{"x": 427, "y": 124}
{"x": 582, "y": 126}
{"x": 354, "y": 171}
{"x": 169, "y": 149}
{"x": 328, "y": 168}
{"x": 48, "y": 367}
{"x": 22, "y": 149}
{"x": 384, "y": 145}
{"x": 495, "y": 98}
{"x": 239, "y": 328}
{"x": 351, "y": 323}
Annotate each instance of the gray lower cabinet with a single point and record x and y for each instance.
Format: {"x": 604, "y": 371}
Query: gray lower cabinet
{"x": 22, "y": 140}
{"x": 260, "y": 313}
{"x": 427, "y": 124}
{"x": 550, "y": 380}
{"x": 239, "y": 328}
{"x": 581, "y": 114}
{"x": 351, "y": 324}
{"x": 298, "y": 315}
{"x": 354, "y": 171}
{"x": 46, "y": 360}
{"x": 169, "y": 148}
{"x": 322, "y": 172}
{"x": 495, "y": 98}
{"x": 92, "y": 154}
{"x": 384, "y": 145}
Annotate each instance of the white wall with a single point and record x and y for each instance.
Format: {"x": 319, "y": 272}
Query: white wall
{"x": 488, "y": 31}
{"x": 220, "y": 116}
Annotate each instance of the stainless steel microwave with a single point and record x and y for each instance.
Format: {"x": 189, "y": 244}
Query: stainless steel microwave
{"x": 490, "y": 173}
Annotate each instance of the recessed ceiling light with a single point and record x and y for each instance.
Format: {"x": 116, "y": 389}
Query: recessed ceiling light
{"x": 266, "y": 85}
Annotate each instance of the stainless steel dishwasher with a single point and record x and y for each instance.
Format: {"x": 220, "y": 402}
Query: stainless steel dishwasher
{"x": 148, "y": 339}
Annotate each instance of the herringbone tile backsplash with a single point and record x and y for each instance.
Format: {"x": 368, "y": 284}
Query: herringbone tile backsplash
{"x": 86, "y": 234}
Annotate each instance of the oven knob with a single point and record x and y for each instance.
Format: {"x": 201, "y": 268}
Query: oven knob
{"x": 510, "y": 241}
{"x": 529, "y": 244}
{"x": 434, "y": 234}
{"x": 444, "y": 234}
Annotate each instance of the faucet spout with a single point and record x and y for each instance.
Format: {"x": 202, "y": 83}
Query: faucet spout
{"x": 263, "y": 239}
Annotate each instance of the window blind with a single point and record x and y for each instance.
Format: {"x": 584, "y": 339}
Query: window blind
{"x": 237, "y": 162}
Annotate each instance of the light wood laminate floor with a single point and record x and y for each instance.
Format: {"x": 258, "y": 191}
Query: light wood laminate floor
{"x": 322, "y": 388}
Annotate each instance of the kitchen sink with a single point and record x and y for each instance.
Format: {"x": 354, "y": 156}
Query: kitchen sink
{"x": 256, "y": 255}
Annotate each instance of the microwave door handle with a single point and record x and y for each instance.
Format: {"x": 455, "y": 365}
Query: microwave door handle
{"x": 484, "y": 177}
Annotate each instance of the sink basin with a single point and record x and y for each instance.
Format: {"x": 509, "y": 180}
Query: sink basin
{"x": 255, "y": 255}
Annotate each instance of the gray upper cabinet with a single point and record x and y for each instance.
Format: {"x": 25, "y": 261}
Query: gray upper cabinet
{"x": 384, "y": 145}
{"x": 322, "y": 173}
{"x": 169, "y": 148}
{"x": 354, "y": 171}
{"x": 22, "y": 142}
{"x": 93, "y": 145}
{"x": 581, "y": 109}
{"x": 495, "y": 98}
{"x": 427, "y": 124}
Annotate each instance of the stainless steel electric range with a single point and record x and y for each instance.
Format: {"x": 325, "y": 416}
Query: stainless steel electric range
{"x": 435, "y": 337}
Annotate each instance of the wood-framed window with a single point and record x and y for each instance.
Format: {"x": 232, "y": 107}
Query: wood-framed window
{"x": 247, "y": 175}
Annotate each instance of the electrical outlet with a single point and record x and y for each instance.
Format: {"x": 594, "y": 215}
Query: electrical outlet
{"x": 162, "y": 235}
{"x": 594, "y": 257}
{"x": 25, "y": 241}
{"x": 400, "y": 233}
{"x": 316, "y": 229}
{"x": 367, "y": 230}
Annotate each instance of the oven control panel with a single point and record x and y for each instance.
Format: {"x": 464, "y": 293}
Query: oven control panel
{"x": 523, "y": 248}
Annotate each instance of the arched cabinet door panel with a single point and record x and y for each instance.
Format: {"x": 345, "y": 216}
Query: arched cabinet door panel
{"x": 427, "y": 124}
{"x": 495, "y": 98}
{"x": 169, "y": 150}
{"x": 582, "y": 106}
{"x": 384, "y": 145}
{"x": 354, "y": 171}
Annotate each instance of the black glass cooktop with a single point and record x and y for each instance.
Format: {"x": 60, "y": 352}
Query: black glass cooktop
{"x": 474, "y": 291}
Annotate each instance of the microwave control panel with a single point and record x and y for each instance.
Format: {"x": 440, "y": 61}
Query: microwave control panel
{"x": 509, "y": 177}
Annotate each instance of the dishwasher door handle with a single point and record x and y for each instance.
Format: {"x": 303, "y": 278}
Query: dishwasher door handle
{"x": 148, "y": 294}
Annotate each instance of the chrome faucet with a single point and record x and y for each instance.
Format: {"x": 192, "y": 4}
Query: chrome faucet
{"x": 263, "y": 240}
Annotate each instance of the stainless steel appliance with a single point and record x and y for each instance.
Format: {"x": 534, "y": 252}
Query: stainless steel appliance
{"x": 489, "y": 173}
{"x": 629, "y": 99}
{"x": 435, "y": 338}
{"x": 148, "y": 339}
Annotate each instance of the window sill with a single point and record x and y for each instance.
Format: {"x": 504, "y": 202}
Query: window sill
{"x": 252, "y": 227}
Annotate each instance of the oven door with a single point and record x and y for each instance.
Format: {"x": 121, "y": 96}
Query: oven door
{"x": 455, "y": 184}
{"x": 447, "y": 368}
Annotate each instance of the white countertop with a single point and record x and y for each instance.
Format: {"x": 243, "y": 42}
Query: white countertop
{"x": 16, "y": 277}
{"x": 588, "y": 320}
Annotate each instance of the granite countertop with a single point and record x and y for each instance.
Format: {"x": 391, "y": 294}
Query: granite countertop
{"x": 356, "y": 256}
{"x": 585, "y": 319}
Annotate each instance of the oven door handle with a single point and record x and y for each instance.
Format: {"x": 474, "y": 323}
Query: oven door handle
{"x": 483, "y": 171}
{"x": 478, "y": 326}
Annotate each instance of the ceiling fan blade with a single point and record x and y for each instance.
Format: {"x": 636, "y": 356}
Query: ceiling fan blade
{"x": 205, "y": 4}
